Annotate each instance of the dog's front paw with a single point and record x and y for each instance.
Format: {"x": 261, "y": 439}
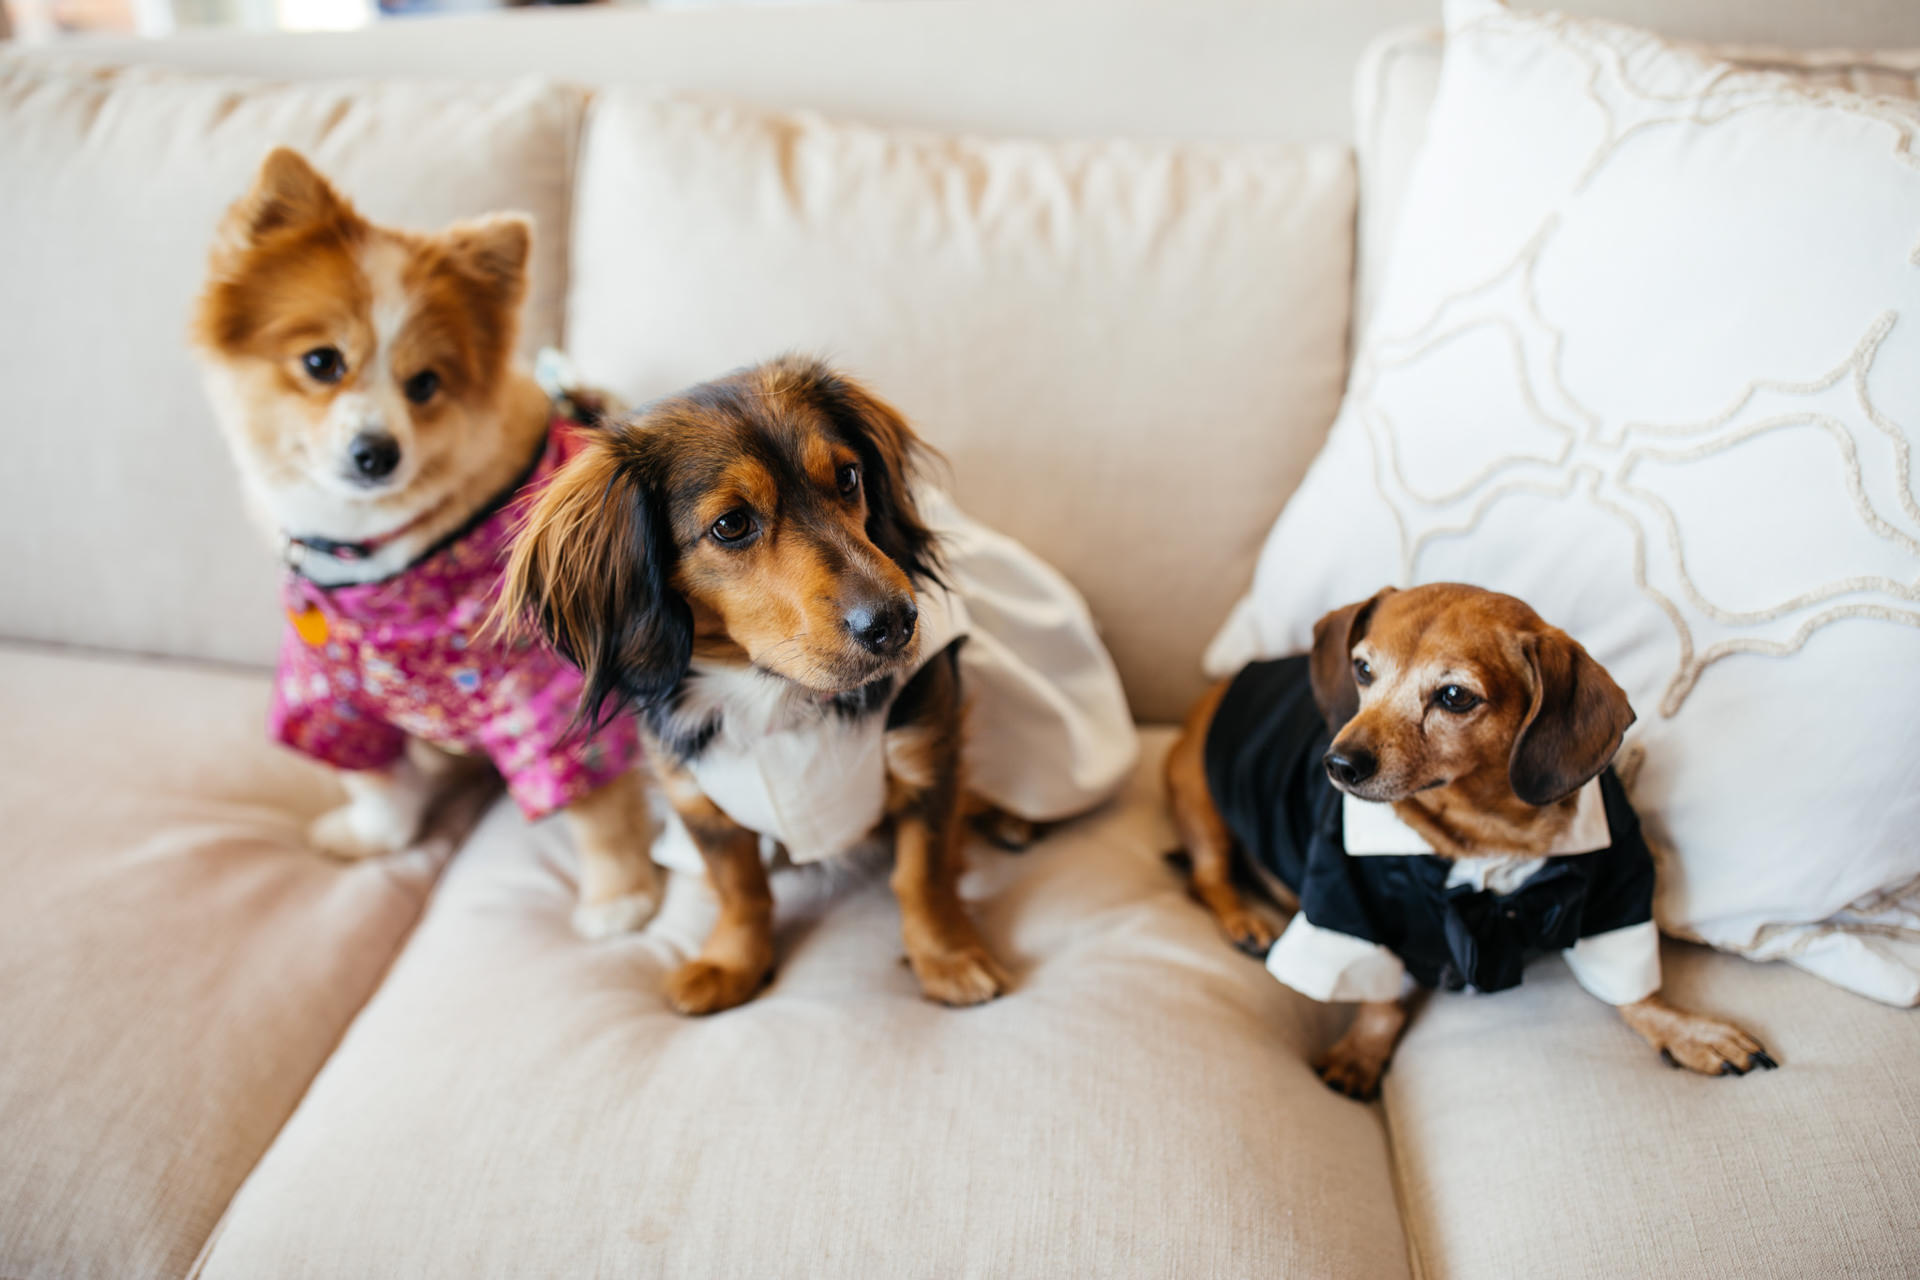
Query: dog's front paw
{"x": 701, "y": 986}
{"x": 959, "y": 975}
{"x": 346, "y": 833}
{"x": 1352, "y": 1070}
{"x": 615, "y": 916}
{"x": 1711, "y": 1047}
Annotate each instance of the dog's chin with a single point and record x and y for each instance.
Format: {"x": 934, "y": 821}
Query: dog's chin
{"x": 1375, "y": 791}
{"x": 829, "y": 677}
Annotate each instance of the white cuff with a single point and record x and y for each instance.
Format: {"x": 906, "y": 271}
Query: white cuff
{"x": 1619, "y": 966}
{"x": 1329, "y": 965}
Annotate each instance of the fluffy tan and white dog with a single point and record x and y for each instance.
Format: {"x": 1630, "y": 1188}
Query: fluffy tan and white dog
{"x": 365, "y": 380}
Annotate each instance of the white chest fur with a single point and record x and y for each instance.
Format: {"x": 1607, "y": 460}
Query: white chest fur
{"x": 787, "y": 765}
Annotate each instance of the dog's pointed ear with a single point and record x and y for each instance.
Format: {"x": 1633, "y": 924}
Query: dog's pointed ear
{"x": 1331, "y": 666}
{"x": 288, "y": 199}
{"x": 891, "y": 456}
{"x": 1575, "y": 724}
{"x": 493, "y": 252}
{"x": 591, "y": 567}
{"x": 489, "y": 257}
{"x": 287, "y": 192}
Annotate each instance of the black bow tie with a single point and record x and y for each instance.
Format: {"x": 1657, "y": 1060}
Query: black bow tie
{"x": 1490, "y": 935}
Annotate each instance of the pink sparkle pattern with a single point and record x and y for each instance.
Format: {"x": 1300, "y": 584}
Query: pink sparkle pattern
{"x": 402, "y": 657}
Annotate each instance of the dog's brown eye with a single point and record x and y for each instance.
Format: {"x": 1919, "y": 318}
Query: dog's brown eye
{"x": 848, "y": 478}
{"x": 732, "y": 527}
{"x": 1362, "y": 673}
{"x": 324, "y": 364}
{"x": 421, "y": 386}
{"x": 1457, "y": 699}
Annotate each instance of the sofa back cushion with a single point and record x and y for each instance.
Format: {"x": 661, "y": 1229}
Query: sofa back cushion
{"x": 1128, "y": 352}
{"x": 119, "y": 510}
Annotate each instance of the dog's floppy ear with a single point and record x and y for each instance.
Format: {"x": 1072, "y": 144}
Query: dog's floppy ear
{"x": 590, "y": 567}
{"x": 1574, "y": 725}
{"x": 890, "y": 459}
{"x": 1331, "y": 666}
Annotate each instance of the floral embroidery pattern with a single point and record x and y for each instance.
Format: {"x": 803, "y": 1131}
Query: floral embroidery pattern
{"x": 400, "y": 657}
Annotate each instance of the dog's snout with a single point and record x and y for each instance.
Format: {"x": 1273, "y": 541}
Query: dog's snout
{"x": 374, "y": 455}
{"x": 883, "y": 627}
{"x": 1351, "y": 767}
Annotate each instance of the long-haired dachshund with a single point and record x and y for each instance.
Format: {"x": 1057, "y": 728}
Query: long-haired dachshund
{"x": 744, "y": 564}
{"x": 1430, "y": 787}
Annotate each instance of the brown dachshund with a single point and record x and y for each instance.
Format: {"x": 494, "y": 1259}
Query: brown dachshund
{"x": 1486, "y": 734}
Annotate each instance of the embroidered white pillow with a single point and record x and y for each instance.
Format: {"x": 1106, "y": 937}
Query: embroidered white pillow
{"x": 1647, "y": 355}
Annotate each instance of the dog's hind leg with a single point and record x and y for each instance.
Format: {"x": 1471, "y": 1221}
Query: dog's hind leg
{"x": 1011, "y": 833}
{"x": 1204, "y": 835}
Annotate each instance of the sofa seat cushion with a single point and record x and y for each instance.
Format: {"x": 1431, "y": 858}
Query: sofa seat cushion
{"x": 518, "y": 1102}
{"x": 174, "y": 963}
{"x": 1534, "y": 1134}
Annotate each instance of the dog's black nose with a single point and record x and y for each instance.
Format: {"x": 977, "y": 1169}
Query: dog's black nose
{"x": 883, "y": 627}
{"x": 1351, "y": 767}
{"x": 374, "y": 454}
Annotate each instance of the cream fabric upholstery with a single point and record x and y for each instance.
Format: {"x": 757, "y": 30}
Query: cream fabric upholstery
{"x": 1400, "y": 72}
{"x": 119, "y": 509}
{"x": 174, "y": 963}
{"x": 1128, "y": 352}
{"x": 1140, "y": 1105}
{"x": 1535, "y": 1135}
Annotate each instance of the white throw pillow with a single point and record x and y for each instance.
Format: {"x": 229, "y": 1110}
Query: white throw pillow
{"x": 1129, "y": 351}
{"x": 1647, "y": 355}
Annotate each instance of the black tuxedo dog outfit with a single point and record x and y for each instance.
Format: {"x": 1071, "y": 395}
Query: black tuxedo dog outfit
{"x": 1375, "y": 913}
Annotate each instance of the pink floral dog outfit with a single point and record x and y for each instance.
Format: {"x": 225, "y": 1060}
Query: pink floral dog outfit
{"x": 366, "y": 665}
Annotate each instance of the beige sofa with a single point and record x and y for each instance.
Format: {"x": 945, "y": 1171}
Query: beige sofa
{"x": 221, "y": 1055}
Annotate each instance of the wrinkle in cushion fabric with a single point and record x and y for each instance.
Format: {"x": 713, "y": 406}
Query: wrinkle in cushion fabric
{"x": 1645, "y": 357}
{"x": 1128, "y": 351}
{"x": 108, "y": 436}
